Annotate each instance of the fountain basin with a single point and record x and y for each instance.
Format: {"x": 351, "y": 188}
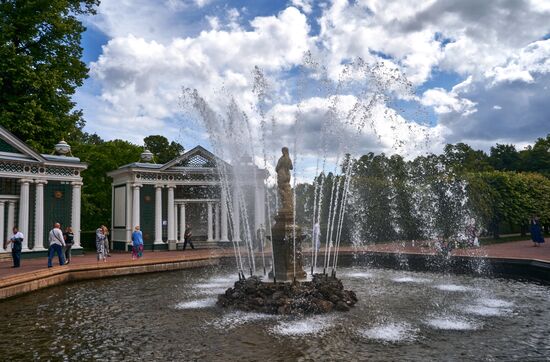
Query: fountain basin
{"x": 173, "y": 316}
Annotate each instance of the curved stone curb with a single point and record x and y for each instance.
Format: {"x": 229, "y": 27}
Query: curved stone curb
{"x": 28, "y": 282}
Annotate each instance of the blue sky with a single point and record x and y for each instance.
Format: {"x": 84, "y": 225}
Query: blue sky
{"x": 479, "y": 70}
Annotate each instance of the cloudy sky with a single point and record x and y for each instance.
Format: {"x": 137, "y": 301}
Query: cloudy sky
{"x": 479, "y": 70}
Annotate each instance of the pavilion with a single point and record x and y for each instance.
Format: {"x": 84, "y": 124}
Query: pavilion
{"x": 37, "y": 190}
{"x": 188, "y": 190}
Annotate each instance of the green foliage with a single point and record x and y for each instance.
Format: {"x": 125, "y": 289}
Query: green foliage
{"x": 40, "y": 68}
{"x": 435, "y": 196}
{"x": 101, "y": 157}
{"x": 462, "y": 157}
{"x": 163, "y": 150}
{"x": 537, "y": 157}
{"x": 505, "y": 158}
{"x": 510, "y": 197}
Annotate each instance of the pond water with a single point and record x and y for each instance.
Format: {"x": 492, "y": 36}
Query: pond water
{"x": 172, "y": 316}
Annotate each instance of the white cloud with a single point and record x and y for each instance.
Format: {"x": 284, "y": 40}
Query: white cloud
{"x": 468, "y": 37}
{"x": 446, "y": 102}
{"x": 141, "y": 79}
{"x": 305, "y": 5}
{"x": 494, "y": 45}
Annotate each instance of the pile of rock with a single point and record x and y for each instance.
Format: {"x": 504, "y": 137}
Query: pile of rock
{"x": 322, "y": 294}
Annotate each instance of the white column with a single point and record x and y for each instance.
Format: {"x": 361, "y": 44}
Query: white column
{"x": 176, "y": 225}
{"x": 136, "y": 207}
{"x": 217, "y": 222}
{"x": 182, "y": 220}
{"x": 236, "y": 215}
{"x": 223, "y": 216}
{"x": 158, "y": 214}
{"x": 11, "y": 221}
{"x": 39, "y": 216}
{"x": 2, "y": 226}
{"x": 75, "y": 212}
{"x": 24, "y": 212}
{"x": 129, "y": 213}
{"x": 171, "y": 216}
{"x": 209, "y": 208}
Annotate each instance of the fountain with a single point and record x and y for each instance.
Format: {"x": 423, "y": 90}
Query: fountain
{"x": 289, "y": 293}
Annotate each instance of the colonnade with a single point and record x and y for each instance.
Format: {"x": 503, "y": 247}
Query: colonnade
{"x": 23, "y": 199}
{"x": 176, "y": 214}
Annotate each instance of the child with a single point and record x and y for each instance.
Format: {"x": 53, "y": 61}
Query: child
{"x": 137, "y": 243}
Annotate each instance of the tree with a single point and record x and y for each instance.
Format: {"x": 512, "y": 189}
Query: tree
{"x": 510, "y": 197}
{"x": 101, "y": 158}
{"x": 462, "y": 157}
{"x": 162, "y": 149}
{"x": 372, "y": 182}
{"x": 504, "y": 158}
{"x": 40, "y": 68}
{"x": 537, "y": 158}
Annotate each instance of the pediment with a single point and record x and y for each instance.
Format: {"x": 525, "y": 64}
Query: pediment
{"x": 198, "y": 157}
{"x": 9, "y": 144}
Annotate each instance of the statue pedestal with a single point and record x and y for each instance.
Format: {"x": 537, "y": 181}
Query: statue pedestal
{"x": 283, "y": 248}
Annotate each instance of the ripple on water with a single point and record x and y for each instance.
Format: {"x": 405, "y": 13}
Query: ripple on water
{"x": 489, "y": 307}
{"x": 453, "y": 288}
{"x": 225, "y": 280}
{"x": 452, "y": 323}
{"x": 495, "y": 303}
{"x": 212, "y": 285}
{"x": 197, "y": 304}
{"x": 410, "y": 280}
{"x": 238, "y": 318}
{"x": 307, "y": 326}
{"x": 484, "y": 311}
{"x": 391, "y": 333}
{"x": 359, "y": 275}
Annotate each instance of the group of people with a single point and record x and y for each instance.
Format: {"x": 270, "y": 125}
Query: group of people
{"x": 102, "y": 243}
{"x": 60, "y": 243}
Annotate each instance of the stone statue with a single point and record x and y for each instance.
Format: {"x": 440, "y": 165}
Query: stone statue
{"x": 286, "y": 237}
{"x": 284, "y": 165}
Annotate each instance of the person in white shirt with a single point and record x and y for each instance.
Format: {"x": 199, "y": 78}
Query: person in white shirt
{"x": 16, "y": 240}
{"x": 57, "y": 243}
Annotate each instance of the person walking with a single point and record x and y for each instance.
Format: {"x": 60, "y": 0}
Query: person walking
{"x": 56, "y": 245}
{"x": 536, "y": 231}
{"x": 137, "y": 243}
{"x": 187, "y": 237}
{"x": 68, "y": 236}
{"x": 106, "y": 241}
{"x": 100, "y": 244}
{"x": 17, "y": 244}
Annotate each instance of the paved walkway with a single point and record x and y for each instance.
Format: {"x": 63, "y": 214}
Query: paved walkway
{"x": 510, "y": 250}
{"x": 117, "y": 259}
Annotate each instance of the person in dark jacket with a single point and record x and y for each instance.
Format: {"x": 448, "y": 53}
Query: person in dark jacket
{"x": 536, "y": 231}
{"x": 187, "y": 237}
{"x": 16, "y": 242}
{"x": 68, "y": 235}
